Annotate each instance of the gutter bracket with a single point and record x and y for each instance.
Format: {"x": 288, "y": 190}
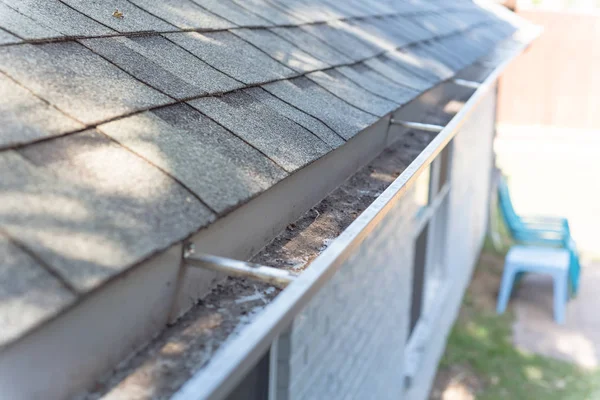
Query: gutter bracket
{"x": 417, "y": 125}
{"x": 273, "y": 276}
{"x": 467, "y": 84}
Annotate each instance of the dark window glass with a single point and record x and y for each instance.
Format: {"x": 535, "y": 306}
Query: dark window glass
{"x": 444, "y": 158}
{"x": 255, "y": 385}
{"x": 418, "y": 278}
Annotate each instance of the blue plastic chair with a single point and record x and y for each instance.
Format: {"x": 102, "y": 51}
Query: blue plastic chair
{"x": 540, "y": 231}
{"x": 545, "y": 260}
{"x": 551, "y": 230}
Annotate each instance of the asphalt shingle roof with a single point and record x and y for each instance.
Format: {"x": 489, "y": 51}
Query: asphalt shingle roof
{"x": 128, "y": 125}
{"x": 163, "y": 65}
{"x": 76, "y": 81}
{"x": 58, "y": 16}
{"x": 350, "y": 92}
{"x": 281, "y": 50}
{"x": 134, "y": 19}
{"x": 232, "y": 55}
{"x": 278, "y": 137}
{"x": 220, "y": 168}
{"x": 184, "y": 14}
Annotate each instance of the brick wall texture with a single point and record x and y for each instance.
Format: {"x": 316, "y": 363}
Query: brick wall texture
{"x": 348, "y": 343}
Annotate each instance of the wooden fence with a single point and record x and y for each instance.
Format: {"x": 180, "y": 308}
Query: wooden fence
{"x": 557, "y": 81}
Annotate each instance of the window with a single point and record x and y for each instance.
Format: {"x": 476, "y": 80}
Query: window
{"x": 431, "y": 195}
{"x": 444, "y": 167}
{"x": 269, "y": 378}
{"x": 255, "y": 385}
{"x": 418, "y": 283}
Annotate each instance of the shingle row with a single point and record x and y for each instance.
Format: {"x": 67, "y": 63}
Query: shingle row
{"x": 48, "y": 19}
{"x": 170, "y": 131}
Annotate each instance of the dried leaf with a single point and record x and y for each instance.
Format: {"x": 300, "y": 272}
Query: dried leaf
{"x": 118, "y": 14}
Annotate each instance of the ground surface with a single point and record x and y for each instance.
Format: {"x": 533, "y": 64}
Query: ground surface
{"x": 481, "y": 361}
{"x": 578, "y": 340}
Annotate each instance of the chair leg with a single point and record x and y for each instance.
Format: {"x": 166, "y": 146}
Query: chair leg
{"x": 508, "y": 277}
{"x": 560, "y": 298}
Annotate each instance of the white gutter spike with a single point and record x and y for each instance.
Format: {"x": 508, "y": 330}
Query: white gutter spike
{"x": 466, "y": 83}
{"x": 274, "y": 276}
{"x": 418, "y": 125}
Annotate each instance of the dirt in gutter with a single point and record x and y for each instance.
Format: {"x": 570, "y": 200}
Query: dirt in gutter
{"x": 183, "y": 349}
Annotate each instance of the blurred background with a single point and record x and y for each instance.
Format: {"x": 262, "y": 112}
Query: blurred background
{"x": 549, "y": 117}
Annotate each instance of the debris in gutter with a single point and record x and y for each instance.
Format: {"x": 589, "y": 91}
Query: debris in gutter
{"x": 158, "y": 371}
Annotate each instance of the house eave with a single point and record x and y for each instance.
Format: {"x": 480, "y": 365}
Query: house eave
{"x": 231, "y": 364}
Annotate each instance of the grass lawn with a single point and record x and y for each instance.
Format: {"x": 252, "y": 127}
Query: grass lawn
{"x": 481, "y": 363}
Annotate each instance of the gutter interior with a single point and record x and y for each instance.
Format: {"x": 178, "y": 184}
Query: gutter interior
{"x": 182, "y": 349}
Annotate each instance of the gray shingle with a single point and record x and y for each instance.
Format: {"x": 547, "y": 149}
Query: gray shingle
{"x": 183, "y": 14}
{"x": 231, "y": 55}
{"x": 163, "y": 65}
{"x": 89, "y": 208}
{"x": 269, "y": 12}
{"x": 58, "y": 16}
{"x": 216, "y": 165}
{"x": 338, "y": 36}
{"x": 399, "y": 74}
{"x": 282, "y": 140}
{"x": 415, "y": 60}
{"x": 353, "y": 94}
{"x": 375, "y": 7}
{"x": 7, "y": 38}
{"x": 306, "y": 95}
{"x": 361, "y": 31}
{"x": 281, "y": 50}
{"x": 309, "y": 10}
{"x": 369, "y": 79}
{"x": 134, "y": 19}
{"x": 349, "y": 9}
{"x": 28, "y": 293}
{"x": 233, "y": 12}
{"x": 448, "y": 56}
{"x": 78, "y": 82}
{"x": 312, "y": 45}
{"x": 25, "y": 117}
{"x": 25, "y": 27}
{"x": 433, "y": 23}
{"x": 405, "y": 26}
{"x": 386, "y": 29}
{"x": 314, "y": 125}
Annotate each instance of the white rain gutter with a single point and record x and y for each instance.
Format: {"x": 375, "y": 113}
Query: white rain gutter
{"x": 231, "y": 363}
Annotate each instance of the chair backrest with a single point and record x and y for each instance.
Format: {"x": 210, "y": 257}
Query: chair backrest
{"x": 511, "y": 218}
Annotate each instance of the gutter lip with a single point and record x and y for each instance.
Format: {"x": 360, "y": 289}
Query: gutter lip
{"x": 230, "y": 364}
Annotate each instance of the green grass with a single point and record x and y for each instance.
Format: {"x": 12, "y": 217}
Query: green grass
{"x": 481, "y": 343}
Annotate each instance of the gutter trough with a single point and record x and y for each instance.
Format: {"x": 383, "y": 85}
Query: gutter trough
{"x": 230, "y": 364}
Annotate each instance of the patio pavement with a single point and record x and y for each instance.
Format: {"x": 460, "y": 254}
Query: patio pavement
{"x": 578, "y": 340}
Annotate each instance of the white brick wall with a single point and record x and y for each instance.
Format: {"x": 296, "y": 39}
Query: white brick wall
{"x": 348, "y": 343}
{"x": 469, "y": 198}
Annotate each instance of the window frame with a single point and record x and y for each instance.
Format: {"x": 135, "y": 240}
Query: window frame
{"x": 434, "y": 218}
